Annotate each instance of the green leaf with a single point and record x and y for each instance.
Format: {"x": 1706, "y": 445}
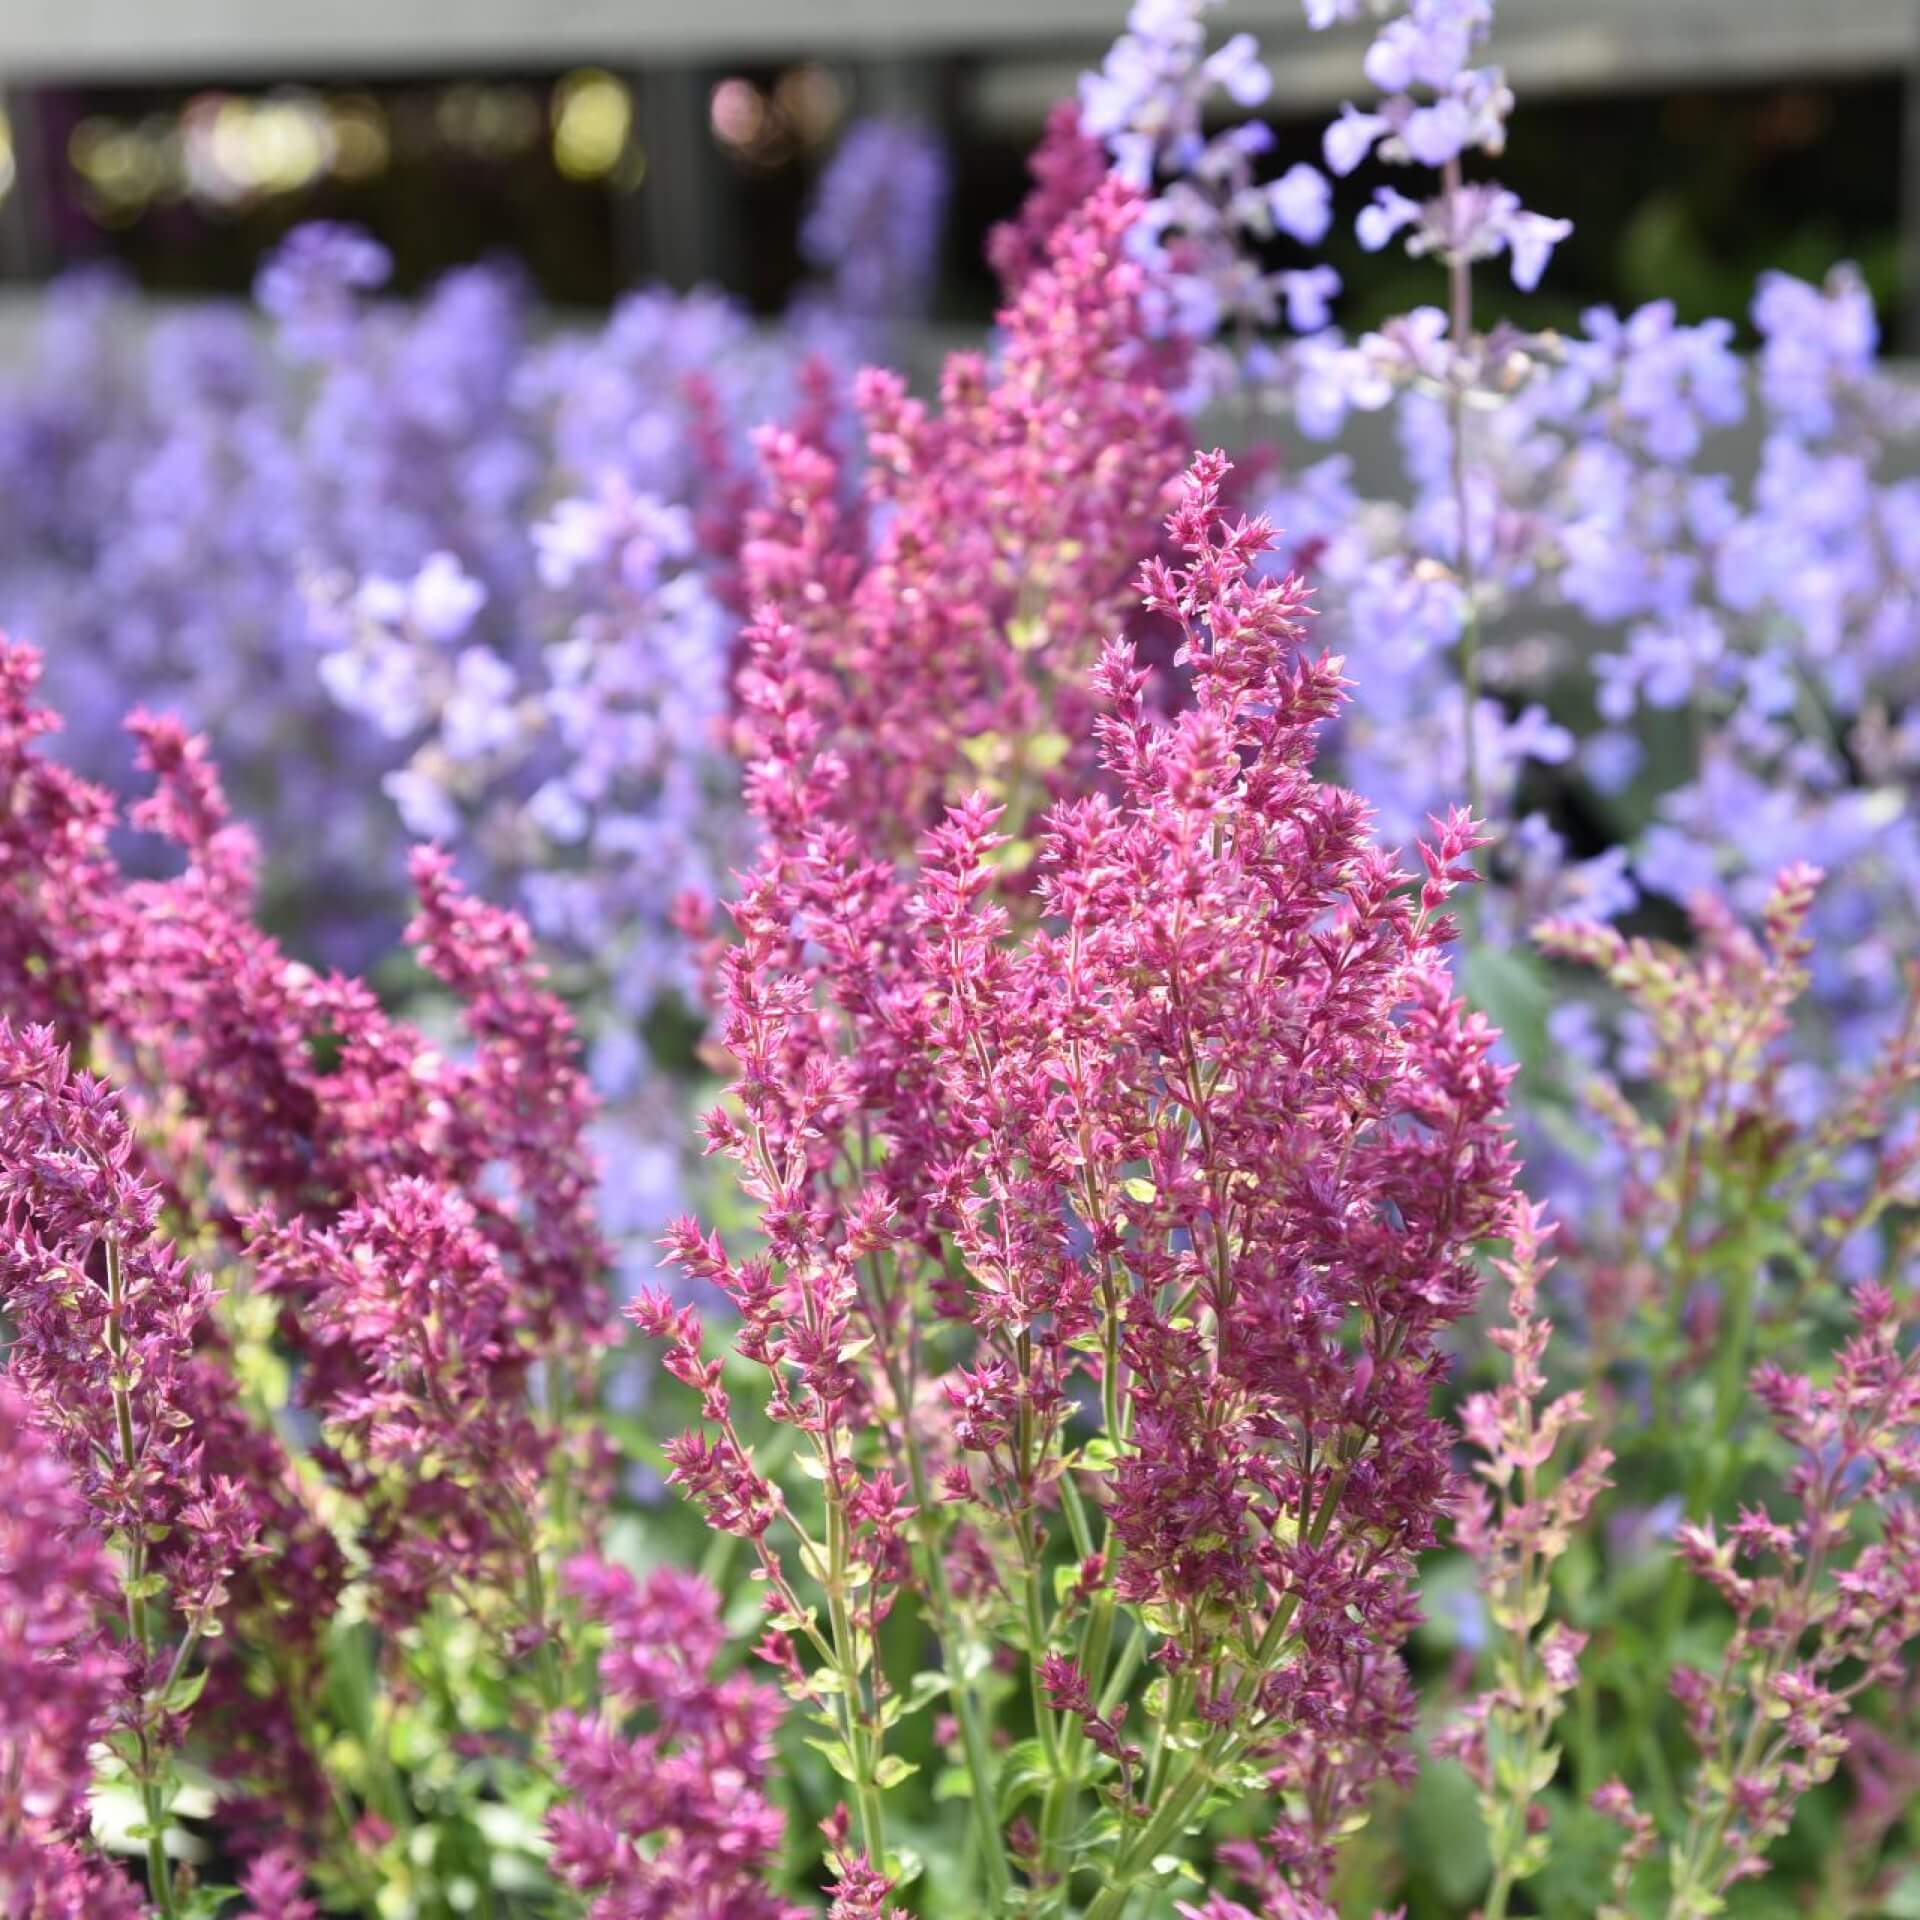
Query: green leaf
{"x": 838, "y": 1758}
{"x": 892, "y": 1770}
{"x": 184, "y": 1691}
{"x": 1443, "y": 1818}
{"x": 512, "y": 1829}
{"x": 1022, "y": 1773}
{"x": 1510, "y": 986}
{"x": 925, "y": 1687}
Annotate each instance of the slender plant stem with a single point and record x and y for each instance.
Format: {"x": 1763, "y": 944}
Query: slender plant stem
{"x": 968, "y": 1709}
{"x": 860, "y": 1747}
{"x": 1460, "y": 319}
{"x": 139, "y": 1625}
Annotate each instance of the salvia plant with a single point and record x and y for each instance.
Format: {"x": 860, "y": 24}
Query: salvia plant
{"x": 1300, "y": 1299}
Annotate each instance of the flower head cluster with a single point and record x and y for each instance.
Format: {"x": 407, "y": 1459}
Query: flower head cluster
{"x": 1207, "y": 1145}
{"x": 678, "y": 1754}
{"x": 105, "y": 1317}
{"x": 1009, "y": 521}
{"x": 273, "y": 1886}
{"x": 1728, "y": 1124}
{"x": 407, "y": 1303}
{"x": 1065, "y": 167}
{"x": 1820, "y": 1615}
{"x": 874, "y": 227}
{"x": 426, "y": 1221}
{"x": 1517, "y": 1522}
{"x": 1210, "y": 216}
{"x": 1436, "y": 107}
{"x": 105, "y": 1320}
{"x": 59, "y": 1678}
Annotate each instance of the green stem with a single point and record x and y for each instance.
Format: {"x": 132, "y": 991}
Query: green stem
{"x": 1047, "y": 1870}
{"x": 1183, "y": 1795}
{"x": 1063, "y": 1794}
{"x": 1124, "y": 1669}
{"x": 139, "y": 1625}
{"x": 1707, "y": 1482}
{"x": 860, "y": 1747}
{"x": 1460, "y": 322}
{"x": 1043, "y": 1715}
{"x": 974, "y": 1744}
{"x": 1179, "y": 1692}
{"x": 1166, "y": 1826}
{"x": 159, "y": 1874}
{"x": 546, "y": 1661}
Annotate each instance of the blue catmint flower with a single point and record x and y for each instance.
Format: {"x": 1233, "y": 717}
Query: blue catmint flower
{"x": 1349, "y": 139}
{"x": 1389, "y": 213}
{"x": 311, "y": 285}
{"x": 1309, "y": 293}
{"x": 1428, "y": 46}
{"x": 442, "y": 599}
{"x": 1812, "y": 337}
{"x": 1301, "y": 203}
{"x": 875, "y": 223}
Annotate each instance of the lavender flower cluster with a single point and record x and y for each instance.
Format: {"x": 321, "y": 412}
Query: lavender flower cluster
{"x": 1586, "y": 535}
{"x": 1178, "y": 1416}
{"x": 402, "y": 556}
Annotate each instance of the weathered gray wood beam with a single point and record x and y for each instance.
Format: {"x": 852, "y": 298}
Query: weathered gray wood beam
{"x": 1583, "y": 42}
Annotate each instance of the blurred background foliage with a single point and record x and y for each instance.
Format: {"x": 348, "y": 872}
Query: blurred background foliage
{"x": 1685, "y": 194}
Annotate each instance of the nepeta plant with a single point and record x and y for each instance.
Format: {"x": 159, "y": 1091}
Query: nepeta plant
{"x": 1088, "y": 1367}
{"x": 180, "y": 494}
{"x": 1566, "y": 513}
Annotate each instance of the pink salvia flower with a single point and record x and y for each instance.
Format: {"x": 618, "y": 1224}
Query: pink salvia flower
{"x": 273, "y": 1886}
{"x": 1188, "y": 1125}
{"x": 1517, "y": 1521}
{"x": 59, "y": 1680}
{"x": 667, "y": 1815}
{"x": 1820, "y": 1613}
{"x": 1012, "y": 519}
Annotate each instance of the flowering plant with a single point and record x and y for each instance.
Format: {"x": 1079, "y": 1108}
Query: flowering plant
{"x": 1117, "y": 1490}
{"x": 1106, "y": 1261}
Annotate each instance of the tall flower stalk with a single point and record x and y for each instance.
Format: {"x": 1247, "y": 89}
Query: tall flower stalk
{"x": 1142, "y": 1219}
{"x": 1520, "y": 1520}
{"x": 105, "y": 1318}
